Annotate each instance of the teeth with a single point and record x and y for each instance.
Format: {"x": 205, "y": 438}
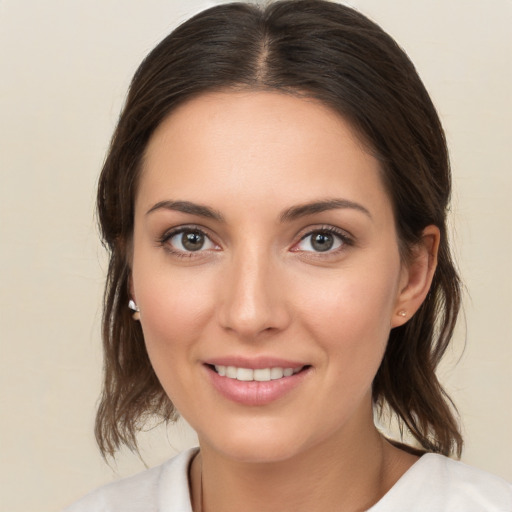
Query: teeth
{"x": 260, "y": 374}
{"x": 231, "y": 372}
{"x": 276, "y": 373}
{"x": 245, "y": 374}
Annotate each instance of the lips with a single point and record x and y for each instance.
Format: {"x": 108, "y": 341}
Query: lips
{"x": 257, "y": 381}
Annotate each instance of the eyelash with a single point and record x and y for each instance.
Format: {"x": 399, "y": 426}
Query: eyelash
{"x": 168, "y": 235}
{"x": 343, "y": 237}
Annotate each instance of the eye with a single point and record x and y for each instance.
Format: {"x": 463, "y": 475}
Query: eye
{"x": 186, "y": 240}
{"x": 321, "y": 240}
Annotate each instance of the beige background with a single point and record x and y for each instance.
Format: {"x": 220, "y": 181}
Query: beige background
{"x": 64, "y": 69}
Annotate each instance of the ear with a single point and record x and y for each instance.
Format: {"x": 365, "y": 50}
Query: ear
{"x": 416, "y": 276}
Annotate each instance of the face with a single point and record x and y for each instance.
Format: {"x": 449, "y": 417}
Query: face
{"x": 267, "y": 272}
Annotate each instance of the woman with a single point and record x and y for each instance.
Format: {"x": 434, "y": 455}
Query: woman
{"x": 274, "y": 201}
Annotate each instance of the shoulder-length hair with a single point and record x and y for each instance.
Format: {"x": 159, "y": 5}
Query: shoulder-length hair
{"x": 316, "y": 49}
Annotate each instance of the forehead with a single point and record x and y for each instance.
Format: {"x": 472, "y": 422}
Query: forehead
{"x": 257, "y": 145}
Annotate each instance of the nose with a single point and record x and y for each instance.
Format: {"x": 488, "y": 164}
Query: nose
{"x": 253, "y": 300}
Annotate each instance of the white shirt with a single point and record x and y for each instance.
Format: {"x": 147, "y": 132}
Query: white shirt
{"x": 433, "y": 484}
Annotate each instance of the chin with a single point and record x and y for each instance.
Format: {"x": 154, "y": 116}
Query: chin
{"x": 260, "y": 442}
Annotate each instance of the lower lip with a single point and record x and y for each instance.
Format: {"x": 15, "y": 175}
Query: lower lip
{"x": 255, "y": 392}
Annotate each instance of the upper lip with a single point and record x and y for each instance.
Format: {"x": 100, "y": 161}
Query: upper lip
{"x": 254, "y": 363}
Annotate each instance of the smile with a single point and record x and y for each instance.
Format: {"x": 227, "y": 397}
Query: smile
{"x": 259, "y": 374}
{"x": 271, "y": 380}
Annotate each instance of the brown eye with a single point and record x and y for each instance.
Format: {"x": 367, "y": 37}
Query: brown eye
{"x": 192, "y": 241}
{"x": 189, "y": 240}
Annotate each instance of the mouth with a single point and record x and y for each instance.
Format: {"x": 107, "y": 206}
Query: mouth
{"x": 258, "y": 382}
{"x": 257, "y": 374}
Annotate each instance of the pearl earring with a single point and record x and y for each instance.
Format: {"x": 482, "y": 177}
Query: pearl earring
{"x": 402, "y": 313}
{"x": 135, "y": 308}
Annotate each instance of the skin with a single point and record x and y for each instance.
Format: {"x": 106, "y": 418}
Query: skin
{"x": 258, "y": 287}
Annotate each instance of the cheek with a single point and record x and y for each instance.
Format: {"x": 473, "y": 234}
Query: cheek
{"x": 349, "y": 314}
{"x": 175, "y": 308}
{"x": 349, "y": 301}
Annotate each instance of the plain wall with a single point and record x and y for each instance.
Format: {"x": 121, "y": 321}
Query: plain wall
{"x": 64, "y": 70}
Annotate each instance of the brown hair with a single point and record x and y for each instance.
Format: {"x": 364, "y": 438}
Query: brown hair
{"x": 320, "y": 50}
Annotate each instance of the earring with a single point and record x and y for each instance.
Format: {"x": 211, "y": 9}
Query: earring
{"x": 402, "y": 313}
{"x": 134, "y": 307}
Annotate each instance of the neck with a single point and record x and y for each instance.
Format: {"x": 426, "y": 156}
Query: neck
{"x": 344, "y": 475}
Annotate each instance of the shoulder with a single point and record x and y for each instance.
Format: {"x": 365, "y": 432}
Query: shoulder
{"x": 438, "y": 483}
{"x": 473, "y": 487}
{"x": 162, "y": 487}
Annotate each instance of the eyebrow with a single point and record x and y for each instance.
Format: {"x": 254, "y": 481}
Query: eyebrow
{"x": 296, "y": 212}
{"x": 290, "y": 214}
{"x": 188, "y": 207}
